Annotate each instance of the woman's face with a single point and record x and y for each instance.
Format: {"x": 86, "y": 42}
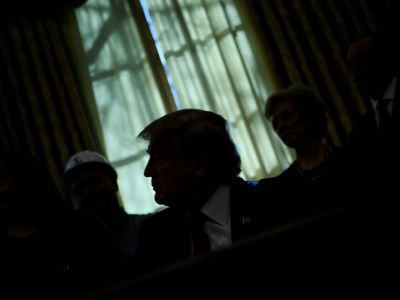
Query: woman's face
{"x": 288, "y": 123}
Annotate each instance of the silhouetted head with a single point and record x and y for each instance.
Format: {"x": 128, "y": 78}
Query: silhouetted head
{"x": 371, "y": 65}
{"x": 92, "y": 182}
{"x": 190, "y": 150}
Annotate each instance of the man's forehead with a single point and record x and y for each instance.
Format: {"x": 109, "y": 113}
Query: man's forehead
{"x": 362, "y": 45}
{"x": 161, "y": 145}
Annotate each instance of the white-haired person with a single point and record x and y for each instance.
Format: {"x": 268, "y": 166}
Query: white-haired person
{"x": 92, "y": 183}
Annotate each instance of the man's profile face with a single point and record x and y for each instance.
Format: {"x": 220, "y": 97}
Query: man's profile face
{"x": 364, "y": 63}
{"x": 172, "y": 176}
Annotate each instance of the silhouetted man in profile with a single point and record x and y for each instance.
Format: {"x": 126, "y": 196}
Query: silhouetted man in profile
{"x": 194, "y": 169}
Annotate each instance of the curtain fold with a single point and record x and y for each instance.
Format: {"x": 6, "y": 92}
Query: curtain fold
{"x": 155, "y": 62}
{"x": 42, "y": 107}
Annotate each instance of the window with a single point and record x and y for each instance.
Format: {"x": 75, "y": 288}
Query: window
{"x": 204, "y": 61}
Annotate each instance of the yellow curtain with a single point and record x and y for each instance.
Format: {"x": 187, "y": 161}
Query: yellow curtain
{"x": 42, "y": 103}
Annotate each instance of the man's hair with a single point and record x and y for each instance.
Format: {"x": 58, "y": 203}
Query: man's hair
{"x": 198, "y": 134}
{"x": 306, "y": 103}
{"x": 356, "y": 36}
{"x": 377, "y": 39}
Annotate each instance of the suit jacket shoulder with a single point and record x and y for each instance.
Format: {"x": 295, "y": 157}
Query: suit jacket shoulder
{"x": 244, "y": 199}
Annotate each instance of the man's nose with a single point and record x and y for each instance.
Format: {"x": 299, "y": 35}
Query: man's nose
{"x": 148, "y": 170}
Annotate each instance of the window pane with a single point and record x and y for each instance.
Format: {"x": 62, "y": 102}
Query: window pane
{"x": 126, "y": 94}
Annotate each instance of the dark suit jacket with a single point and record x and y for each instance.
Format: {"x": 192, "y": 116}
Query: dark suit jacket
{"x": 375, "y": 152}
{"x": 165, "y": 237}
{"x": 292, "y": 196}
{"x": 377, "y": 157}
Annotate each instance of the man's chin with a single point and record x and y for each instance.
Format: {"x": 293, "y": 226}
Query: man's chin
{"x": 166, "y": 200}
{"x": 160, "y": 199}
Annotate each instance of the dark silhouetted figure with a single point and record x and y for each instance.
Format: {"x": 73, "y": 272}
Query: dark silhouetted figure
{"x": 319, "y": 178}
{"x": 47, "y": 250}
{"x": 194, "y": 169}
{"x": 314, "y": 204}
{"x": 375, "y": 137}
{"x": 92, "y": 182}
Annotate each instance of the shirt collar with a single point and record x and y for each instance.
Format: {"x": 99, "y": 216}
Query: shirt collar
{"x": 217, "y": 207}
{"x": 389, "y": 93}
{"x": 391, "y": 90}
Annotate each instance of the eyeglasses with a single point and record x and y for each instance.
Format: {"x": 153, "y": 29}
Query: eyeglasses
{"x": 78, "y": 189}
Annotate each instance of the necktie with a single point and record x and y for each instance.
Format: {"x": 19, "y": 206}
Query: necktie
{"x": 384, "y": 117}
{"x": 201, "y": 242}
